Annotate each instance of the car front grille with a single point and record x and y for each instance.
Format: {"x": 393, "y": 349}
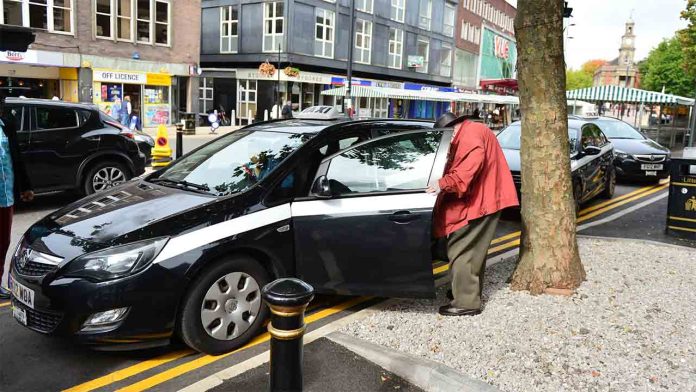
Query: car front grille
{"x": 652, "y": 158}
{"x": 31, "y": 268}
{"x": 39, "y": 321}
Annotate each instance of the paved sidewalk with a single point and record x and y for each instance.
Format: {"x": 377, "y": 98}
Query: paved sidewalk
{"x": 201, "y": 132}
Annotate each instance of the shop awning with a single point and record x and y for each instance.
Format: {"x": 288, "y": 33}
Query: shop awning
{"x": 500, "y": 83}
{"x": 626, "y": 95}
{"x": 420, "y": 95}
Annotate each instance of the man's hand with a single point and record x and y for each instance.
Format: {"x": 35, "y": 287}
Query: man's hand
{"x": 433, "y": 189}
{"x": 27, "y": 196}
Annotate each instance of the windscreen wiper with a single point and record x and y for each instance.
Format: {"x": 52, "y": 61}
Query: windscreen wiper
{"x": 182, "y": 183}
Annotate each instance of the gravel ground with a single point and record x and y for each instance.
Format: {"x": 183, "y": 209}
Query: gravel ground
{"x": 631, "y": 326}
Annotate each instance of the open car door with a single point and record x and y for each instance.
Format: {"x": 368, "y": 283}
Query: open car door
{"x": 365, "y": 228}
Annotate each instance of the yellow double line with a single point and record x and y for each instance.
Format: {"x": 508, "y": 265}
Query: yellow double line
{"x": 204, "y": 360}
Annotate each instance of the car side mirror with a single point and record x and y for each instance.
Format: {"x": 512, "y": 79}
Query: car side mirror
{"x": 592, "y": 150}
{"x": 322, "y": 188}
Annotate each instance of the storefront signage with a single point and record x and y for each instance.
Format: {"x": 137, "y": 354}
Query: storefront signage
{"x": 304, "y": 77}
{"x": 158, "y": 79}
{"x": 498, "y": 56}
{"x": 422, "y": 87}
{"x": 341, "y": 81}
{"x": 119, "y": 77}
{"x": 35, "y": 57}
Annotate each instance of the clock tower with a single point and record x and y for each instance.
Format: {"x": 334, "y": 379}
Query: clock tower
{"x": 628, "y": 45}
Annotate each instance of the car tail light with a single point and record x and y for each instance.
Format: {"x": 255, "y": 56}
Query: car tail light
{"x": 124, "y": 130}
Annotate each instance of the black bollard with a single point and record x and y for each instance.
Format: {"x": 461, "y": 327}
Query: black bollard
{"x": 287, "y": 298}
{"x": 179, "y": 140}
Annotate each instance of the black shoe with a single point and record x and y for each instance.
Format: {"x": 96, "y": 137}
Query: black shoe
{"x": 450, "y": 296}
{"x": 449, "y": 310}
{"x": 4, "y": 294}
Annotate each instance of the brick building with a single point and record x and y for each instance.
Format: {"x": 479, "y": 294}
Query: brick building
{"x": 97, "y": 50}
{"x": 621, "y": 71}
{"x": 485, "y": 43}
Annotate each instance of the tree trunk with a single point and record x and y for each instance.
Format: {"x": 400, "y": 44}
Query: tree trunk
{"x": 549, "y": 255}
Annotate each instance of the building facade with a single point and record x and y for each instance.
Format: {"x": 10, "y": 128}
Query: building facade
{"x": 621, "y": 71}
{"x": 397, "y": 43}
{"x": 485, "y": 45}
{"x": 98, "y": 50}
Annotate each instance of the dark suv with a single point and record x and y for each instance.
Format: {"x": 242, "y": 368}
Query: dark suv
{"x": 71, "y": 146}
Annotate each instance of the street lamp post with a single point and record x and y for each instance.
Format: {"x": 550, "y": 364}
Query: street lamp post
{"x": 349, "y": 73}
{"x": 280, "y": 100}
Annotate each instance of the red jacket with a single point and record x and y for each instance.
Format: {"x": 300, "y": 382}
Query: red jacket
{"x": 477, "y": 180}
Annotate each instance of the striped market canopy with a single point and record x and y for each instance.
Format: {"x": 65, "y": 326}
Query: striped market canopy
{"x": 420, "y": 95}
{"x": 627, "y": 95}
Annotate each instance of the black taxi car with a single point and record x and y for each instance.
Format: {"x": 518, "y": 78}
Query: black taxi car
{"x": 591, "y": 159}
{"x": 186, "y": 250}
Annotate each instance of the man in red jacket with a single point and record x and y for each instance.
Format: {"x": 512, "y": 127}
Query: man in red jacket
{"x": 476, "y": 187}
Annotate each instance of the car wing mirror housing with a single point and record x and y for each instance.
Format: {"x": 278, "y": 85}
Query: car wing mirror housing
{"x": 322, "y": 188}
{"x": 592, "y": 150}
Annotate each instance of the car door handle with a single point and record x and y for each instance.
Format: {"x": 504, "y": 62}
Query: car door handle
{"x": 403, "y": 217}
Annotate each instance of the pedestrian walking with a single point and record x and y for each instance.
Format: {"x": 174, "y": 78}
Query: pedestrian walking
{"x": 14, "y": 183}
{"x": 126, "y": 110}
{"x": 476, "y": 186}
{"x": 286, "y": 112}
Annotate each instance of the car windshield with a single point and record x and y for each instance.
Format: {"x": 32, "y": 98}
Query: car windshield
{"x": 614, "y": 129}
{"x": 509, "y": 138}
{"x": 234, "y": 163}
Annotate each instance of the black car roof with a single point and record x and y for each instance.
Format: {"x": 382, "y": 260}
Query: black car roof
{"x": 50, "y": 102}
{"x": 312, "y": 126}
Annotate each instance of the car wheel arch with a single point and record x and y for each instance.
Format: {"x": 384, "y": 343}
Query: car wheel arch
{"x": 100, "y": 157}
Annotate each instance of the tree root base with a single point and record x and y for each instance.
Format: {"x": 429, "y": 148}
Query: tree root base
{"x": 561, "y": 292}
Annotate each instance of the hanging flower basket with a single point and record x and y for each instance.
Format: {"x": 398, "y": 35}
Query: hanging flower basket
{"x": 291, "y": 72}
{"x": 267, "y": 69}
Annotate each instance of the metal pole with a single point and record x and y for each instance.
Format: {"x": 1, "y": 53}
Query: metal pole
{"x": 179, "y": 140}
{"x": 349, "y": 73}
{"x": 287, "y": 298}
{"x": 280, "y": 101}
{"x": 640, "y": 121}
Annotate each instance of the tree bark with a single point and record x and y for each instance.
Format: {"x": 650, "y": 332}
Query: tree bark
{"x": 549, "y": 255}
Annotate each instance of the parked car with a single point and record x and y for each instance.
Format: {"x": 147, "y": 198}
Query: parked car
{"x": 186, "y": 250}
{"x": 70, "y": 146}
{"x": 591, "y": 156}
{"x": 636, "y": 157}
{"x": 145, "y": 142}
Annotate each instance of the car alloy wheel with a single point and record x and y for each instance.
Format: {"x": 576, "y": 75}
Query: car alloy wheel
{"x": 230, "y": 306}
{"x": 107, "y": 177}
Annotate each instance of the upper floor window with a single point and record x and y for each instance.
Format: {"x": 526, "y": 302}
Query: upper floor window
{"x": 143, "y": 21}
{"x": 363, "y": 41}
{"x": 364, "y": 5}
{"x": 448, "y": 22}
{"x": 423, "y": 48}
{"x": 396, "y": 48}
{"x": 229, "y": 35}
{"x": 273, "y": 27}
{"x": 398, "y": 8}
{"x": 324, "y": 35}
{"x": 425, "y": 14}
{"x": 446, "y": 61}
{"x": 54, "y": 16}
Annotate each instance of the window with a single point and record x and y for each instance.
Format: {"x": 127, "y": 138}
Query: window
{"x": 364, "y": 5}
{"x": 446, "y": 61}
{"x": 124, "y": 21}
{"x": 229, "y": 23}
{"x": 423, "y": 48}
{"x": 273, "y": 27}
{"x": 54, "y": 16}
{"x": 144, "y": 20}
{"x": 592, "y": 136}
{"x": 363, "y": 41}
{"x": 397, "y": 10}
{"x": 425, "y": 14}
{"x": 162, "y": 22}
{"x": 381, "y": 107}
{"x": 205, "y": 94}
{"x": 396, "y": 47}
{"x": 104, "y": 16}
{"x": 397, "y": 163}
{"x": 55, "y": 118}
{"x": 324, "y": 35}
{"x": 448, "y": 27}
{"x": 465, "y": 4}
{"x": 247, "y": 99}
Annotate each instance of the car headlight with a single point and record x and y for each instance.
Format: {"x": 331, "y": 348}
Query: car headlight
{"x": 621, "y": 154}
{"x": 116, "y": 262}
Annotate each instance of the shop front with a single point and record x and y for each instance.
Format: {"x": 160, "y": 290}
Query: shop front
{"x": 149, "y": 94}
{"x": 427, "y": 109}
{"x": 38, "y": 74}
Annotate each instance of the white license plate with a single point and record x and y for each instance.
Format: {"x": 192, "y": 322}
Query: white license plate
{"x": 22, "y": 293}
{"x": 651, "y": 167}
{"x": 651, "y": 173}
{"x": 19, "y": 315}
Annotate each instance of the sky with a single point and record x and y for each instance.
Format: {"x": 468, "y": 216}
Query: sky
{"x": 599, "y": 25}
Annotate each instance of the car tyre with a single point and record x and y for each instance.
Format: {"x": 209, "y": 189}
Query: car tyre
{"x": 206, "y": 324}
{"x": 105, "y": 175}
{"x": 609, "y": 185}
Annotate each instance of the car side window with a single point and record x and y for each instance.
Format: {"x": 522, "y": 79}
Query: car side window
{"x": 399, "y": 163}
{"x": 16, "y": 115}
{"x": 590, "y": 136}
{"x": 55, "y": 118}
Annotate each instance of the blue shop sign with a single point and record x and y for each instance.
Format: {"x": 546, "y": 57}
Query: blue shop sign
{"x": 356, "y": 82}
{"x": 423, "y": 87}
